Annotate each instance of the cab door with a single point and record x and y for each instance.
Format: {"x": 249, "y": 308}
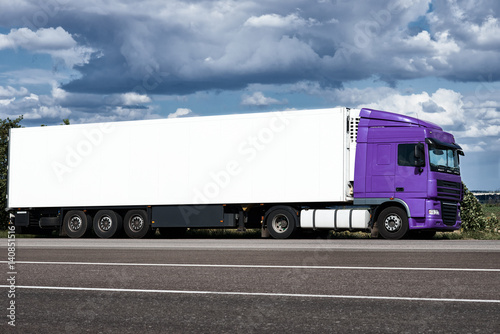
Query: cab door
{"x": 411, "y": 176}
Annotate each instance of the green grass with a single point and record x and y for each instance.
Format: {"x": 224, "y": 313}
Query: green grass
{"x": 470, "y": 235}
{"x": 490, "y": 209}
{"x": 4, "y": 233}
{"x": 256, "y": 234}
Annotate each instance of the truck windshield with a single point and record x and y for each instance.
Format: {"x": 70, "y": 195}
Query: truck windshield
{"x": 444, "y": 160}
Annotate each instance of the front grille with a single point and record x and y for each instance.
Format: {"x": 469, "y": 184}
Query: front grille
{"x": 449, "y": 184}
{"x": 449, "y": 190}
{"x": 449, "y": 213}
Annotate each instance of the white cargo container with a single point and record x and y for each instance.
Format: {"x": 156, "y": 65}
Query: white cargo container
{"x": 183, "y": 172}
{"x": 292, "y": 156}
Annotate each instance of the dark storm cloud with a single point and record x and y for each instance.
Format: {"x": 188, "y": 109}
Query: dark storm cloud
{"x": 181, "y": 47}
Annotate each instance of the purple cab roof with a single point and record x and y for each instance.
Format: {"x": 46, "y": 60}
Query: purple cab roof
{"x": 378, "y": 115}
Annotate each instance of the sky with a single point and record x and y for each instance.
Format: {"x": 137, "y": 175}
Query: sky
{"x": 114, "y": 60}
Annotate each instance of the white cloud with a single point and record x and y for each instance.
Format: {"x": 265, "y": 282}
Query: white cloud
{"x": 32, "y": 96}
{"x": 441, "y": 45}
{"x": 6, "y": 102}
{"x": 43, "y": 112}
{"x": 477, "y": 126}
{"x": 35, "y": 76}
{"x": 54, "y": 41}
{"x": 278, "y": 21}
{"x": 43, "y": 39}
{"x": 58, "y": 93}
{"x": 359, "y": 96}
{"x": 258, "y": 99}
{"x": 472, "y": 148}
{"x": 134, "y": 99}
{"x": 115, "y": 114}
{"x": 487, "y": 34}
{"x": 9, "y": 91}
{"x": 180, "y": 112}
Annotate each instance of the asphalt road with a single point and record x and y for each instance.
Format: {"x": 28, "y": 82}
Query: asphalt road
{"x": 253, "y": 286}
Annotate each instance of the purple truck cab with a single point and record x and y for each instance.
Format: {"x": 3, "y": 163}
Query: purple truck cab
{"x": 407, "y": 169}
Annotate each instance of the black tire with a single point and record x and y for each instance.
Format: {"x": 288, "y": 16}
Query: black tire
{"x": 282, "y": 222}
{"x": 107, "y": 223}
{"x": 76, "y": 223}
{"x": 136, "y": 224}
{"x": 393, "y": 223}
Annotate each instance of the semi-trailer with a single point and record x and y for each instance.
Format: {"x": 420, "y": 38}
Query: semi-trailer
{"x": 325, "y": 169}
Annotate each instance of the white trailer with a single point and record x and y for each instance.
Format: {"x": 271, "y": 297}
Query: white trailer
{"x": 215, "y": 171}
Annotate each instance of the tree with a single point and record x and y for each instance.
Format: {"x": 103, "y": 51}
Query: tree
{"x": 5, "y": 126}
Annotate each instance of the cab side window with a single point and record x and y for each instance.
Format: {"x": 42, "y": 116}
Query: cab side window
{"x": 406, "y": 155}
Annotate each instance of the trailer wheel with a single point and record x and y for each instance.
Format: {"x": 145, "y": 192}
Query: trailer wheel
{"x": 107, "y": 223}
{"x": 393, "y": 223}
{"x": 282, "y": 222}
{"x": 136, "y": 224}
{"x": 76, "y": 223}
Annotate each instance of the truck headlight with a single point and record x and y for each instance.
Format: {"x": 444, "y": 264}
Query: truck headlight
{"x": 434, "y": 212}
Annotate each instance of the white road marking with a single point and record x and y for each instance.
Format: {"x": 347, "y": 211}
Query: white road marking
{"x": 250, "y": 266}
{"x": 259, "y": 294}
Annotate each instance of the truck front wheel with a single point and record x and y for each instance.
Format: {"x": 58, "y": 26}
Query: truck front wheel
{"x": 107, "y": 223}
{"x": 76, "y": 223}
{"x": 136, "y": 224}
{"x": 282, "y": 222}
{"x": 393, "y": 223}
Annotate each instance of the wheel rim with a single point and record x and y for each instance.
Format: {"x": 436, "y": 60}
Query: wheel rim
{"x": 393, "y": 223}
{"x": 75, "y": 223}
{"x": 105, "y": 223}
{"x": 136, "y": 223}
{"x": 280, "y": 223}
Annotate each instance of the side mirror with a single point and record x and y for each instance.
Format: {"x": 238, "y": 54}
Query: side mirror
{"x": 419, "y": 155}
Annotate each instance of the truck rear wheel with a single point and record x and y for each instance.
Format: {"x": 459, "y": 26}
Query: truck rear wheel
{"x": 282, "y": 222}
{"x": 136, "y": 224}
{"x": 107, "y": 223}
{"x": 393, "y": 223}
{"x": 76, "y": 223}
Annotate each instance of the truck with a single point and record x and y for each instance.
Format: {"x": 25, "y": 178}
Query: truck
{"x": 283, "y": 172}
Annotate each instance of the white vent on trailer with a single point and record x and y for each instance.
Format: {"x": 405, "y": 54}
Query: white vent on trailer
{"x": 353, "y": 128}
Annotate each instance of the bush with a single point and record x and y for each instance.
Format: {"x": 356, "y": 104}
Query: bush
{"x": 493, "y": 224}
{"x": 471, "y": 212}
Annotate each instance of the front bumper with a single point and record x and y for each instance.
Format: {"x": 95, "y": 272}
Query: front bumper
{"x": 440, "y": 215}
